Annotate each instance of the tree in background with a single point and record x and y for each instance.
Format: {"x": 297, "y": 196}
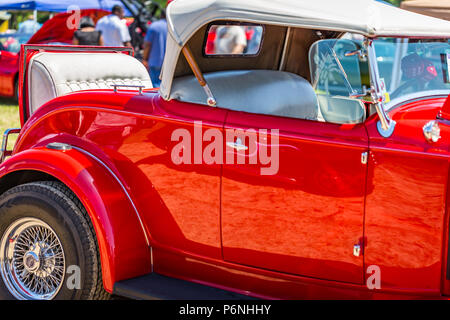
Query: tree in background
{"x": 395, "y": 2}
{"x": 161, "y": 2}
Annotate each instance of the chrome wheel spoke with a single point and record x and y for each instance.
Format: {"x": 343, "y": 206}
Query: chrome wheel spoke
{"x": 34, "y": 260}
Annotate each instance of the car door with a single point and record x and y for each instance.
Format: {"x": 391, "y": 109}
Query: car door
{"x": 307, "y": 217}
{"x": 293, "y": 198}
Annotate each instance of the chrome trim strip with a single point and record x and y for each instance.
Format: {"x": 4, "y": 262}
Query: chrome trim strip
{"x": 151, "y": 258}
{"x": 123, "y": 188}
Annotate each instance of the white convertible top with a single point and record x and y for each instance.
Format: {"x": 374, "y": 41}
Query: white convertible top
{"x": 366, "y": 17}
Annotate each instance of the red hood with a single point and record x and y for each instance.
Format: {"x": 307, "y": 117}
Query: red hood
{"x": 56, "y": 29}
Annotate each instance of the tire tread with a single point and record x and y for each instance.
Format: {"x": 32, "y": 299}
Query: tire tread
{"x": 57, "y": 191}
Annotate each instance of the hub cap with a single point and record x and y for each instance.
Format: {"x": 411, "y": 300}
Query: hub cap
{"x": 32, "y": 260}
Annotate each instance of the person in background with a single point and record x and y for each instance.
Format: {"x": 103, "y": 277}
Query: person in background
{"x": 87, "y": 35}
{"x": 115, "y": 32}
{"x": 30, "y": 26}
{"x": 155, "y": 48}
{"x": 230, "y": 40}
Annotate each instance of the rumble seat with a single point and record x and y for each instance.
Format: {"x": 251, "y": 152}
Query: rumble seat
{"x": 256, "y": 91}
{"x": 52, "y": 74}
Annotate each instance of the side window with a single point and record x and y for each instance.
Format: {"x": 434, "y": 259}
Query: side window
{"x": 336, "y": 78}
{"x": 247, "y": 82}
{"x": 233, "y": 39}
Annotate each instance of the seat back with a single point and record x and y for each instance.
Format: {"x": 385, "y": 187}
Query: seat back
{"x": 255, "y": 91}
{"x": 53, "y": 74}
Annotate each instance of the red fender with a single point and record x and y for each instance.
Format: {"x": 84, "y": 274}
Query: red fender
{"x": 123, "y": 243}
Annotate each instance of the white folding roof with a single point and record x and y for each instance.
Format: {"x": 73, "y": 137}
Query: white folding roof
{"x": 366, "y": 17}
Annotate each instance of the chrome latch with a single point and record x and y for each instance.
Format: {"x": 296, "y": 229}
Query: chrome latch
{"x": 4, "y": 151}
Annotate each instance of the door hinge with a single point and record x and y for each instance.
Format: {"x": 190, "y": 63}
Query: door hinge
{"x": 364, "y": 157}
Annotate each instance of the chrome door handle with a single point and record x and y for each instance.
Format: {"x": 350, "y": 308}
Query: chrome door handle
{"x": 237, "y": 145}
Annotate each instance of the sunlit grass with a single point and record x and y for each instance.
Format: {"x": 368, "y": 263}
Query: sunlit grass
{"x": 9, "y": 118}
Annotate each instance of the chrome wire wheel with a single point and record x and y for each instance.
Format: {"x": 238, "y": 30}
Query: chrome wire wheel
{"x": 32, "y": 260}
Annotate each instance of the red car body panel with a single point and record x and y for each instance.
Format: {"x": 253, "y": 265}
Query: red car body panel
{"x": 409, "y": 178}
{"x": 55, "y": 30}
{"x": 131, "y": 134}
{"x": 283, "y": 222}
{"x": 123, "y": 246}
{"x": 120, "y": 139}
{"x": 286, "y": 236}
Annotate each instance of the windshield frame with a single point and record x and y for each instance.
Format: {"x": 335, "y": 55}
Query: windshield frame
{"x": 385, "y": 125}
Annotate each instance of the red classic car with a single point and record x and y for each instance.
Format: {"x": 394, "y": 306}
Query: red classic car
{"x": 55, "y": 30}
{"x": 314, "y": 166}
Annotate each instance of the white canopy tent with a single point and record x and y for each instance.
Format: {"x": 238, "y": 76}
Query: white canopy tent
{"x": 366, "y": 17}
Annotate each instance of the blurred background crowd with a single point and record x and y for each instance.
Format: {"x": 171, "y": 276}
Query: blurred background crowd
{"x": 139, "y": 24}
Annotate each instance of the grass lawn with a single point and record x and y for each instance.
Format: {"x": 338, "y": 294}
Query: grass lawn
{"x": 9, "y": 118}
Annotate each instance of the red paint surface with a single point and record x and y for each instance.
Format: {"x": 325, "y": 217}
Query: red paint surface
{"x": 287, "y": 236}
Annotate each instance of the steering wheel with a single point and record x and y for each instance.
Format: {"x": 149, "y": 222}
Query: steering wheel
{"x": 411, "y": 85}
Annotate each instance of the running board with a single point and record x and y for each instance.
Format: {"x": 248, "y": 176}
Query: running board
{"x": 158, "y": 287}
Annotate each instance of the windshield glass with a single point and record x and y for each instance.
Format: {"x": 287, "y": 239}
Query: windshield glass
{"x": 413, "y": 68}
{"x": 11, "y": 41}
{"x": 336, "y": 77}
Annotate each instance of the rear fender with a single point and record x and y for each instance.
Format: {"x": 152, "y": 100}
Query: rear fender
{"x": 122, "y": 239}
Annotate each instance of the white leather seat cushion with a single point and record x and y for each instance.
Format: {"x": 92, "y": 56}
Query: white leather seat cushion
{"x": 256, "y": 91}
{"x": 52, "y": 74}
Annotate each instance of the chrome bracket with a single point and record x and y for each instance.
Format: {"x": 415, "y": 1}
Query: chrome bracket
{"x": 4, "y": 152}
{"x": 386, "y": 133}
{"x": 211, "y": 101}
{"x": 116, "y": 86}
